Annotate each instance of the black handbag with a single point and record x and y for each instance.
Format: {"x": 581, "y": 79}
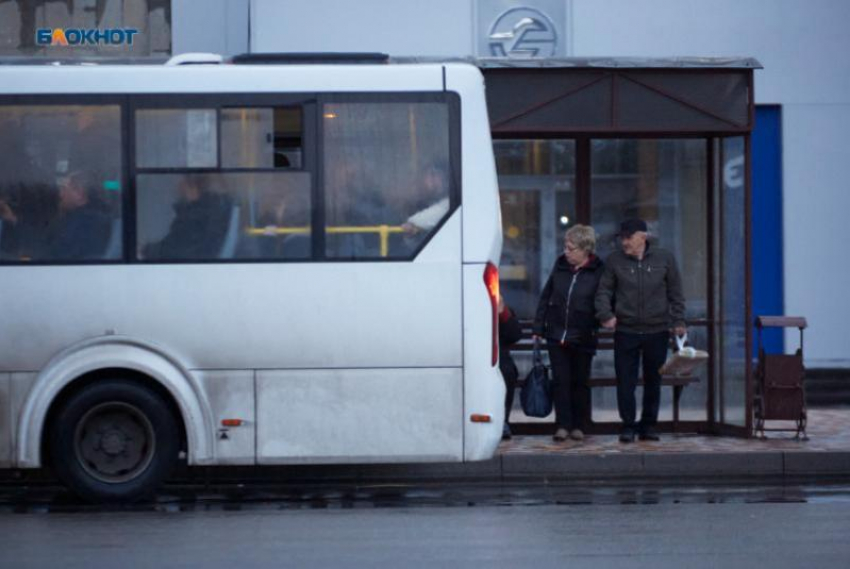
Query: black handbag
{"x": 536, "y": 394}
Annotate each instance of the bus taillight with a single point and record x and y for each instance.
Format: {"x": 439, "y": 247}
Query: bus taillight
{"x": 491, "y": 280}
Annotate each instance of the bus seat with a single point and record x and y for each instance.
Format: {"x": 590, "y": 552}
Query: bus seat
{"x": 113, "y": 246}
{"x": 228, "y": 247}
{"x": 296, "y": 247}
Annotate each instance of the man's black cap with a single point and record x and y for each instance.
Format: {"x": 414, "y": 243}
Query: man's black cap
{"x": 631, "y": 226}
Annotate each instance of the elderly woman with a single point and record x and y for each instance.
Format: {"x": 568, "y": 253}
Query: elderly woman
{"x": 566, "y": 318}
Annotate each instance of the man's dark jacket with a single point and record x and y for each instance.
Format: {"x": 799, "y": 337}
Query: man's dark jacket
{"x": 565, "y": 312}
{"x": 197, "y": 231}
{"x": 645, "y": 295}
{"x": 81, "y": 233}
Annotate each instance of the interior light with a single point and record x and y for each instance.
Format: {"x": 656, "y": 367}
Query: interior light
{"x": 565, "y": 220}
{"x": 330, "y": 115}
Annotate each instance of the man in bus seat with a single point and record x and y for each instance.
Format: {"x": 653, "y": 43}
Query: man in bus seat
{"x": 83, "y": 225}
{"x": 200, "y": 224}
{"x": 78, "y": 226}
{"x": 647, "y": 286}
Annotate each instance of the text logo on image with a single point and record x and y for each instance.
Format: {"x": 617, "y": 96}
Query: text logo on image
{"x": 85, "y": 36}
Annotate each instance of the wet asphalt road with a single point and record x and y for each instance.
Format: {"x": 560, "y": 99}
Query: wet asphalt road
{"x": 440, "y": 525}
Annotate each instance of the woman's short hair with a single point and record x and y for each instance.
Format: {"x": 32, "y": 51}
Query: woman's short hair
{"x": 582, "y": 236}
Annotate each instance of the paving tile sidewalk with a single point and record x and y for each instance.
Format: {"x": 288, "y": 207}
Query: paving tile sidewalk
{"x": 825, "y": 454}
{"x": 828, "y": 430}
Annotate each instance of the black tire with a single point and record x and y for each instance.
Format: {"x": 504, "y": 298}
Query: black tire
{"x": 114, "y": 441}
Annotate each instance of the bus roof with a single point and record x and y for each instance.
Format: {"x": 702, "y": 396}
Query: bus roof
{"x": 270, "y": 78}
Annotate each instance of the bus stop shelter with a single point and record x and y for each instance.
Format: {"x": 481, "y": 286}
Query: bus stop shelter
{"x": 595, "y": 141}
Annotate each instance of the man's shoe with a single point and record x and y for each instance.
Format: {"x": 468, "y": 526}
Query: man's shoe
{"x": 576, "y": 435}
{"x": 560, "y": 435}
{"x": 506, "y": 432}
{"x": 649, "y": 435}
{"x": 627, "y": 436}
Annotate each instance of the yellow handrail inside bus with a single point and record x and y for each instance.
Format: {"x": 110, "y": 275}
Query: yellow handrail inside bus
{"x": 383, "y": 231}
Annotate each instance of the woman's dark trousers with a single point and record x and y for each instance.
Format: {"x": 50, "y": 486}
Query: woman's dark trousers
{"x": 628, "y": 349}
{"x": 510, "y": 374}
{"x": 570, "y": 371}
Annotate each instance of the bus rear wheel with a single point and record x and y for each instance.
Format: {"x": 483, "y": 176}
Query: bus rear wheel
{"x": 114, "y": 441}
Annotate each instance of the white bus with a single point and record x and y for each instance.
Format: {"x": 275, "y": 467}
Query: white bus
{"x": 282, "y": 263}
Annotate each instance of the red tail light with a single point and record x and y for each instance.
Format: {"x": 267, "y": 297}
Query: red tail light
{"x": 491, "y": 281}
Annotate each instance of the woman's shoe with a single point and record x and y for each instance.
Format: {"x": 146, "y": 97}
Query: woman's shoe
{"x": 560, "y": 435}
{"x": 576, "y": 435}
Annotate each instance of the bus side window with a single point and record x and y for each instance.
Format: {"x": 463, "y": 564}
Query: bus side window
{"x": 176, "y": 138}
{"x": 279, "y": 215}
{"x": 223, "y": 215}
{"x": 386, "y": 176}
{"x": 182, "y": 216}
{"x": 252, "y": 204}
{"x": 60, "y": 183}
{"x": 261, "y": 138}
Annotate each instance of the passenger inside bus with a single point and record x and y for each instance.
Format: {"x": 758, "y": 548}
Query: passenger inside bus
{"x": 283, "y": 214}
{"x": 78, "y": 228}
{"x": 433, "y": 205}
{"x": 83, "y": 226}
{"x": 202, "y": 218}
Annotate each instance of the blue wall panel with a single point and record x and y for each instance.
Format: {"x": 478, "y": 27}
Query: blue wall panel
{"x": 767, "y": 282}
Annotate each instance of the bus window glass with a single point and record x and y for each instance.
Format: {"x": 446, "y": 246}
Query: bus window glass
{"x": 261, "y": 138}
{"x": 210, "y": 216}
{"x": 176, "y": 138}
{"x": 386, "y": 171}
{"x": 60, "y": 183}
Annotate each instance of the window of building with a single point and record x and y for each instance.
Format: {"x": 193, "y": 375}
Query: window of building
{"x": 538, "y": 196}
{"x": 20, "y": 21}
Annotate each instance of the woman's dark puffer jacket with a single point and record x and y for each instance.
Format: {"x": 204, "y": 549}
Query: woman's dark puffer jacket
{"x": 566, "y": 312}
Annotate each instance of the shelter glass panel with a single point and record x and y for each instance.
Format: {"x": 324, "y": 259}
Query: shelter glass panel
{"x": 663, "y": 182}
{"x": 732, "y": 309}
{"x": 538, "y": 197}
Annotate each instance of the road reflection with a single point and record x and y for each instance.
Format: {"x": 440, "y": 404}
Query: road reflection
{"x": 50, "y": 498}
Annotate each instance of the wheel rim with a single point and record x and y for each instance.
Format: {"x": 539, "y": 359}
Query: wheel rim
{"x": 114, "y": 442}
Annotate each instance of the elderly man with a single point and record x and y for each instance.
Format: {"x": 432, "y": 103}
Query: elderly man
{"x": 647, "y": 286}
